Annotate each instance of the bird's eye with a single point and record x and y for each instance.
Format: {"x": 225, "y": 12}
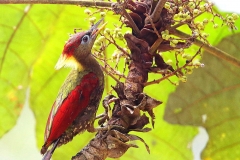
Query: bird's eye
{"x": 85, "y": 39}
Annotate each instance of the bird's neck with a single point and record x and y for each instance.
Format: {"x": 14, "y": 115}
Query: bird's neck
{"x": 90, "y": 64}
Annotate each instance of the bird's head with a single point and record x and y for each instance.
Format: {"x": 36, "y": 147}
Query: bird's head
{"x": 78, "y": 47}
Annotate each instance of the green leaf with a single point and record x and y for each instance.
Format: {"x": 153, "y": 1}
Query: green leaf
{"x": 14, "y": 66}
{"x": 212, "y": 92}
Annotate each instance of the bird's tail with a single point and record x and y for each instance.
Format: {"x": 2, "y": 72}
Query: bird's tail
{"x": 48, "y": 154}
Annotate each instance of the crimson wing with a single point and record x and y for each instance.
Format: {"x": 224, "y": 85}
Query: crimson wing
{"x": 62, "y": 116}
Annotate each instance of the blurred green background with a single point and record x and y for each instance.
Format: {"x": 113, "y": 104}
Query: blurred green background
{"x": 32, "y": 38}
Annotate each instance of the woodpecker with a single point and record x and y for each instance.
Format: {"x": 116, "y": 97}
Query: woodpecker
{"x": 75, "y": 107}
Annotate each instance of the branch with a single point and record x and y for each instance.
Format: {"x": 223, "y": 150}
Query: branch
{"x": 172, "y": 73}
{"x": 72, "y": 2}
{"x": 132, "y": 23}
{"x": 157, "y": 12}
{"x": 213, "y": 50}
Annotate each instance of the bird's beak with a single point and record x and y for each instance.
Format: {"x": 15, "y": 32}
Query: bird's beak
{"x": 95, "y": 30}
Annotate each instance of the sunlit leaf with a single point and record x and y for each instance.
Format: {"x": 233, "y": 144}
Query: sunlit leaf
{"x": 16, "y": 57}
{"x": 212, "y": 92}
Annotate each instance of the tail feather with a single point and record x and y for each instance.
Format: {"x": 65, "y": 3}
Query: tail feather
{"x": 48, "y": 154}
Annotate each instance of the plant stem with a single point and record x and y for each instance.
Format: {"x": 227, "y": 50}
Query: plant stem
{"x": 155, "y": 16}
{"x": 132, "y": 23}
{"x": 211, "y": 49}
{"x": 71, "y": 2}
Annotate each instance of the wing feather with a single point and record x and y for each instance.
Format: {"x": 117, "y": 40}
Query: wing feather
{"x": 62, "y": 115}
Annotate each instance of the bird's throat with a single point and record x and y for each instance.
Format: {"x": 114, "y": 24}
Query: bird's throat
{"x": 69, "y": 61}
